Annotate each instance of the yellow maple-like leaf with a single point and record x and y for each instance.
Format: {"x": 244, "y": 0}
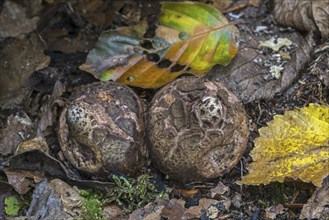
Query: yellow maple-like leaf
{"x": 294, "y": 145}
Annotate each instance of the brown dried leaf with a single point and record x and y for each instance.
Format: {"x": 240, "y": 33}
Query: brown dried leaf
{"x": 60, "y": 40}
{"x": 23, "y": 180}
{"x": 13, "y": 20}
{"x": 19, "y": 60}
{"x": 54, "y": 200}
{"x": 19, "y": 128}
{"x": 250, "y": 80}
{"x": 32, "y": 144}
{"x": 38, "y": 160}
{"x": 320, "y": 63}
{"x": 218, "y": 191}
{"x": 93, "y": 12}
{"x": 204, "y": 205}
{"x": 173, "y": 208}
{"x": 309, "y": 15}
{"x": 317, "y": 206}
{"x": 255, "y": 3}
{"x": 113, "y": 212}
{"x": 149, "y": 212}
{"x": 274, "y": 210}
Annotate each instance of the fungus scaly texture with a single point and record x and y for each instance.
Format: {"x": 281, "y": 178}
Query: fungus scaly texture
{"x": 196, "y": 129}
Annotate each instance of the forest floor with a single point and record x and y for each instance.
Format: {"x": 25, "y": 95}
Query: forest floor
{"x": 45, "y": 41}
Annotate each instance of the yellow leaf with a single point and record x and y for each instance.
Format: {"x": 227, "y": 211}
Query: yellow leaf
{"x": 294, "y": 145}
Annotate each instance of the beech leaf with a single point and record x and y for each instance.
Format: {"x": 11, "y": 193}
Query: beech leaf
{"x": 309, "y": 15}
{"x": 113, "y": 49}
{"x": 294, "y": 145}
{"x": 191, "y": 37}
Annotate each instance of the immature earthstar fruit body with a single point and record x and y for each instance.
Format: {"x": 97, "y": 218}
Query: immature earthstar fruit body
{"x": 196, "y": 129}
{"x": 102, "y": 129}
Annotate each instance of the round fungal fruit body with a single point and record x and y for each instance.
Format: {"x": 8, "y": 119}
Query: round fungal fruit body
{"x": 102, "y": 129}
{"x": 196, "y": 130}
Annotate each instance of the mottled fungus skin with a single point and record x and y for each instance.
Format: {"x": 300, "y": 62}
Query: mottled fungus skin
{"x": 196, "y": 130}
{"x": 102, "y": 129}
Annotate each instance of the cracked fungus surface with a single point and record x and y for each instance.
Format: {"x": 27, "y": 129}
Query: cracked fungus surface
{"x": 102, "y": 129}
{"x": 196, "y": 130}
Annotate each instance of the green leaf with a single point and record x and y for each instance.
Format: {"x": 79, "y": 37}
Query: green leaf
{"x": 12, "y": 205}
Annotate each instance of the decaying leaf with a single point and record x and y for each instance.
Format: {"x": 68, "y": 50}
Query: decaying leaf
{"x": 35, "y": 143}
{"x": 317, "y": 206}
{"x": 16, "y": 68}
{"x": 249, "y": 77}
{"x": 293, "y": 145}
{"x": 309, "y": 15}
{"x": 13, "y": 20}
{"x": 175, "y": 209}
{"x": 191, "y": 37}
{"x": 113, "y": 49}
{"x": 19, "y": 129}
{"x": 54, "y": 200}
{"x": 274, "y": 210}
{"x": 23, "y": 180}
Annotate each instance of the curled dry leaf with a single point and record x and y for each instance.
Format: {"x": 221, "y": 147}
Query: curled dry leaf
{"x": 293, "y": 145}
{"x": 309, "y": 15}
{"x": 32, "y": 144}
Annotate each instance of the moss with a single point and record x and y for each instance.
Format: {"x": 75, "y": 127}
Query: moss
{"x": 92, "y": 205}
{"x": 130, "y": 194}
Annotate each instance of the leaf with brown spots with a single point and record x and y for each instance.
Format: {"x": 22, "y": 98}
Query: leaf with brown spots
{"x": 191, "y": 37}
